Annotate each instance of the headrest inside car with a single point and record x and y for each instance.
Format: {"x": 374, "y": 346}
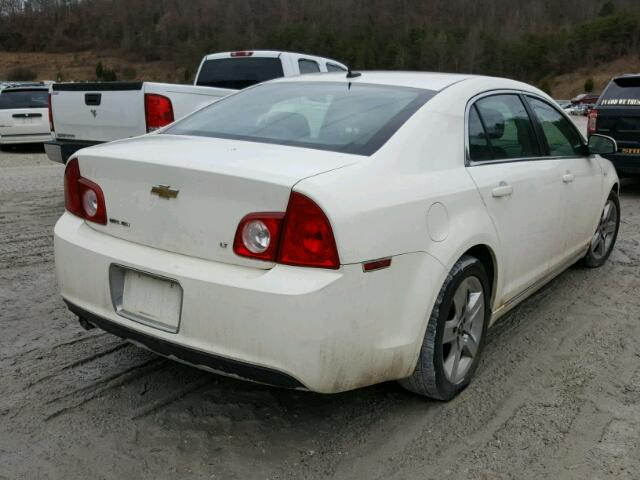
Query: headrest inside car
{"x": 494, "y": 122}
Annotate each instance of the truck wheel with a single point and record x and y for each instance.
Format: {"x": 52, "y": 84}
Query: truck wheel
{"x": 455, "y": 333}
{"x": 604, "y": 239}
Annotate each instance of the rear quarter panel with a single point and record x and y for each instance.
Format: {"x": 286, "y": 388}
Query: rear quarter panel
{"x": 413, "y": 195}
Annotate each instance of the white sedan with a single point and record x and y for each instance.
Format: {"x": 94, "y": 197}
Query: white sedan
{"x": 333, "y": 231}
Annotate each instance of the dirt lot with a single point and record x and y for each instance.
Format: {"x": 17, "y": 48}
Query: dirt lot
{"x": 557, "y": 395}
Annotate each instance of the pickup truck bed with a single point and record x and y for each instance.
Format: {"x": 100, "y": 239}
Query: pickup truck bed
{"x": 89, "y": 113}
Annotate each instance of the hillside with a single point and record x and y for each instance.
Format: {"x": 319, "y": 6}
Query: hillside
{"x": 556, "y": 45}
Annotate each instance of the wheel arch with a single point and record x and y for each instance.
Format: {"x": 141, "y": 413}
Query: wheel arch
{"x": 486, "y": 255}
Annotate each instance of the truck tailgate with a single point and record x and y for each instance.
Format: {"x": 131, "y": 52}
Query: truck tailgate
{"x": 98, "y": 112}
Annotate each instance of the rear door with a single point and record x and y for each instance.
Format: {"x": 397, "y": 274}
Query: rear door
{"x": 522, "y": 190}
{"x": 24, "y": 112}
{"x": 581, "y": 175}
{"x": 98, "y": 112}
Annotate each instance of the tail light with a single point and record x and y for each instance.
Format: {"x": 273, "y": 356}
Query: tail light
{"x": 83, "y": 197}
{"x": 592, "y": 122}
{"x": 241, "y": 53}
{"x": 158, "y": 111}
{"x": 302, "y": 236}
{"x": 257, "y": 236}
{"x": 51, "y": 127}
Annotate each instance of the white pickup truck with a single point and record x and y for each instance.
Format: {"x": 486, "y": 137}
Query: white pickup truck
{"x": 84, "y": 114}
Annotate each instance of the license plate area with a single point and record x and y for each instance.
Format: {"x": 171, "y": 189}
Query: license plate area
{"x": 631, "y": 151}
{"x": 145, "y": 298}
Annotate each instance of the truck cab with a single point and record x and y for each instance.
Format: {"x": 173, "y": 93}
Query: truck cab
{"x": 85, "y": 114}
{"x": 242, "y": 69}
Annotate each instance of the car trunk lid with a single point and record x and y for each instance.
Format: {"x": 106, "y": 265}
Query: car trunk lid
{"x": 211, "y": 184}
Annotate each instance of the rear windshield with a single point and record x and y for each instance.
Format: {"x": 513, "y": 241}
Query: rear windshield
{"x": 239, "y": 72}
{"x": 24, "y": 99}
{"x": 340, "y": 117}
{"x": 622, "y": 92}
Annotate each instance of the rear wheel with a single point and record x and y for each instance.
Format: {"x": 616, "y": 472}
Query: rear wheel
{"x": 455, "y": 333}
{"x": 604, "y": 238}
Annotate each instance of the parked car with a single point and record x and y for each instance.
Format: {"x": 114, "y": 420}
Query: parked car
{"x": 617, "y": 115}
{"x": 23, "y": 114}
{"x": 585, "y": 99}
{"x": 335, "y": 231}
{"x": 85, "y": 114}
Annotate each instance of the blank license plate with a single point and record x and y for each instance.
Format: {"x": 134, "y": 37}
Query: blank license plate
{"x": 150, "y": 300}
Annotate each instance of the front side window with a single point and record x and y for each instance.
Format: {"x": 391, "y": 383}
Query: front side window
{"x": 340, "y": 117}
{"x": 308, "y": 66}
{"x": 10, "y": 99}
{"x": 508, "y": 130}
{"x": 561, "y": 135}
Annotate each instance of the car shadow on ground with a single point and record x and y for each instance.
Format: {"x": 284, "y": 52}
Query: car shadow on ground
{"x": 24, "y": 148}
{"x": 630, "y": 187}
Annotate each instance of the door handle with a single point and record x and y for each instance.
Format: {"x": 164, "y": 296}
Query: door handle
{"x": 568, "y": 177}
{"x": 503, "y": 190}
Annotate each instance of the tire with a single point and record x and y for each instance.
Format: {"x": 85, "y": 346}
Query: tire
{"x": 435, "y": 375}
{"x": 604, "y": 239}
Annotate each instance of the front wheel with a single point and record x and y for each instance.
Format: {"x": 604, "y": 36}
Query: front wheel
{"x": 455, "y": 333}
{"x": 604, "y": 239}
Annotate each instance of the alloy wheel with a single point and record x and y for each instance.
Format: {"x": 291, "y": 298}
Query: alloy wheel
{"x": 463, "y": 329}
{"x": 605, "y": 233}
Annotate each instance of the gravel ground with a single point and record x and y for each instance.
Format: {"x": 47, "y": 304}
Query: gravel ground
{"x": 557, "y": 395}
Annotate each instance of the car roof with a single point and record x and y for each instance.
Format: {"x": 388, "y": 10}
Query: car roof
{"x": 13, "y": 87}
{"x": 271, "y": 54}
{"x": 433, "y": 81}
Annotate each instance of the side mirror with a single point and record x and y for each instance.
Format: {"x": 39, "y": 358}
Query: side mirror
{"x": 602, "y": 145}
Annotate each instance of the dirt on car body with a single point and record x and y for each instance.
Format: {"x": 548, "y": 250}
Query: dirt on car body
{"x": 557, "y": 395}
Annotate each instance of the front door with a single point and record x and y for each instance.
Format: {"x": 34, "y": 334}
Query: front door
{"x": 581, "y": 176}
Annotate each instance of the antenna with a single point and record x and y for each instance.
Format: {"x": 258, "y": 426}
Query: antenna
{"x": 351, "y": 74}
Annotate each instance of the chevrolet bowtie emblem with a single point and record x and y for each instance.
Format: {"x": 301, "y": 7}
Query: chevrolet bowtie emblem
{"x": 165, "y": 191}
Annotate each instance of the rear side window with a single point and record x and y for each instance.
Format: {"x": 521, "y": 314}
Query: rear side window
{"x": 332, "y": 67}
{"x": 507, "y": 128}
{"x": 239, "y": 72}
{"x": 561, "y": 135}
{"x": 623, "y": 92}
{"x": 24, "y": 99}
{"x": 479, "y": 148}
{"x": 308, "y": 66}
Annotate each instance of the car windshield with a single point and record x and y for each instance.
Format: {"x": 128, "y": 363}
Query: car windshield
{"x": 23, "y": 99}
{"x": 624, "y": 91}
{"x": 340, "y": 117}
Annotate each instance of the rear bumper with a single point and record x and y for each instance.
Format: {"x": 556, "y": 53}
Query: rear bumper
{"x": 328, "y": 330}
{"x": 626, "y": 165}
{"x": 25, "y": 138}
{"x": 60, "y": 150}
{"x": 189, "y": 355}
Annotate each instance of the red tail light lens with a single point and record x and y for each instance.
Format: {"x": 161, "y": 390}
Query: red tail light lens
{"x": 241, "y": 53}
{"x": 307, "y": 237}
{"x": 257, "y": 236}
{"x": 302, "y": 236}
{"x": 592, "y": 122}
{"x": 51, "y": 126}
{"x": 158, "y": 111}
{"x": 83, "y": 197}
